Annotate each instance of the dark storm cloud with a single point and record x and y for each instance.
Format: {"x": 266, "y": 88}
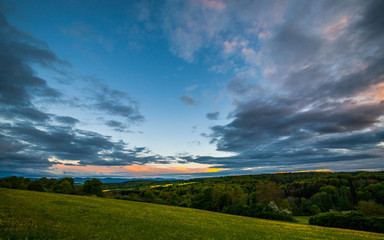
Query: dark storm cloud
{"x": 212, "y": 115}
{"x": 189, "y": 100}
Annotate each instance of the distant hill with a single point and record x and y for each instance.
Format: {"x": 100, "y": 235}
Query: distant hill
{"x": 37, "y": 215}
{"x": 121, "y": 180}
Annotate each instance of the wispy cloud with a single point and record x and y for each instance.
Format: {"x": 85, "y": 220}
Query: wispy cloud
{"x": 213, "y": 115}
{"x": 189, "y": 100}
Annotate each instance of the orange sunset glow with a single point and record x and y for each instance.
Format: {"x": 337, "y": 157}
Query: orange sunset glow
{"x": 135, "y": 170}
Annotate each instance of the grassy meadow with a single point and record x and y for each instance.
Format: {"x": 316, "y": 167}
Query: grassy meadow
{"x": 37, "y": 215}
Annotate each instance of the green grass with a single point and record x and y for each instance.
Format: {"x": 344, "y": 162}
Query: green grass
{"x": 302, "y": 219}
{"x": 35, "y": 215}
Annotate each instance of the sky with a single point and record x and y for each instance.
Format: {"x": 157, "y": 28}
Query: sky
{"x": 192, "y": 88}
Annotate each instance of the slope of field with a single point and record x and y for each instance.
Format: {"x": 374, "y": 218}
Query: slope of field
{"x": 35, "y": 215}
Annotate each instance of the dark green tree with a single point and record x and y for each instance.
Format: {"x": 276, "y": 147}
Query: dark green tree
{"x": 93, "y": 187}
{"x": 36, "y": 186}
{"x": 64, "y": 185}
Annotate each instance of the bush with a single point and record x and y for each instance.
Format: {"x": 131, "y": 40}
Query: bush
{"x": 270, "y": 211}
{"x": 350, "y": 220}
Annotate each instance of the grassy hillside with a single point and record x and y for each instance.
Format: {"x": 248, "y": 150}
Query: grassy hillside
{"x": 36, "y": 215}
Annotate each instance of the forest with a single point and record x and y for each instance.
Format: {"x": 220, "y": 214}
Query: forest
{"x": 323, "y": 195}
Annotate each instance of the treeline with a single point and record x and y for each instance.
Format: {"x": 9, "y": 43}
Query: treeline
{"x": 271, "y": 196}
{"x": 275, "y": 196}
{"x": 64, "y": 185}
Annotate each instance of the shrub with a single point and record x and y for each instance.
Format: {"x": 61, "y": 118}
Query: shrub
{"x": 270, "y": 211}
{"x": 350, "y": 220}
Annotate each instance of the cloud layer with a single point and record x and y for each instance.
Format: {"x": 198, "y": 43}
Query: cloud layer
{"x": 318, "y": 97}
{"x": 305, "y": 78}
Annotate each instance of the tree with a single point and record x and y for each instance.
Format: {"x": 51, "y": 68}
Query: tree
{"x": 218, "y": 197}
{"x": 323, "y": 200}
{"x": 93, "y": 187}
{"x": 203, "y": 200}
{"x": 147, "y": 195}
{"x": 36, "y": 186}
{"x": 315, "y": 209}
{"x": 267, "y": 192}
{"x": 370, "y": 208}
{"x": 64, "y": 185}
{"x": 344, "y": 199}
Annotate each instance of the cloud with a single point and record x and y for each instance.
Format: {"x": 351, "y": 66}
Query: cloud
{"x": 314, "y": 107}
{"x": 67, "y": 120}
{"x": 213, "y": 115}
{"x": 372, "y": 20}
{"x": 30, "y": 137}
{"x": 111, "y": 104}
{"x": 111, "y": 101}
{"x": 27, "y": 113}
{"x": 117, "y": 126}
{"x": 292, "y": 45}
{"x": 14, "y": 160}
{"x": 19, "y": 85}
{"x": 190, "y": 24}
{"x": 24, "y": 141}
{"x": 21, "y": 88}
{"x": 189, "y": 100}
{"x": 240, "y": 86}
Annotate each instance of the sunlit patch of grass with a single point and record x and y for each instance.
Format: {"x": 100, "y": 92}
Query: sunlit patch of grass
{"x": 187, "y": 183}
{"x": 36, "y": 215}
{"x": 171, "y": 184}
{"x": 163, "y": 186}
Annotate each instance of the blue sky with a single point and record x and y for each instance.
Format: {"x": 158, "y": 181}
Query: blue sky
{"x": 190, "y": 88}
